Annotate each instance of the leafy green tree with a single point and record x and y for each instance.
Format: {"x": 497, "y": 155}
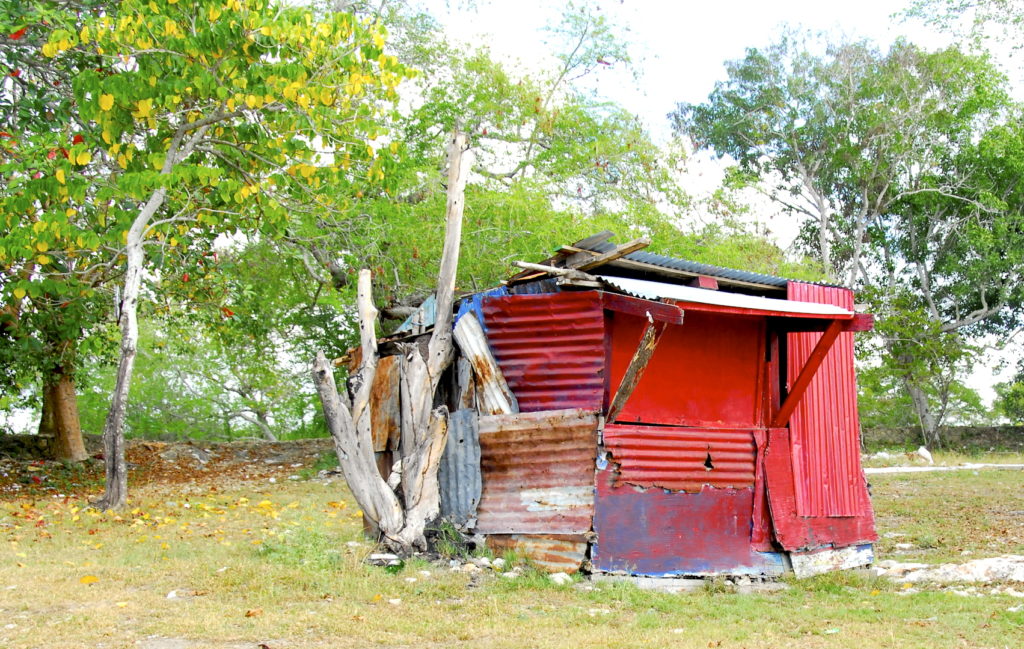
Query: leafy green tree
{"x": 201, "y": 117}
{"x": 904, "y": 166}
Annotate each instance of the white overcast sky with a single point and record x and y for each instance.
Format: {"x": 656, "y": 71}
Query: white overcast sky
{"x": 678, "y": 47}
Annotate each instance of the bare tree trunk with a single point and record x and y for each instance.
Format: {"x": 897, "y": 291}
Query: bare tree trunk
{"x": 402, "y": 522}
{"x": 929, "y": 422}
{"x": 115, "y": 495}
{"x": 62, "y": 402}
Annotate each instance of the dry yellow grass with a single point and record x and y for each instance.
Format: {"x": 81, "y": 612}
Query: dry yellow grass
{"x": 266, "y": 564}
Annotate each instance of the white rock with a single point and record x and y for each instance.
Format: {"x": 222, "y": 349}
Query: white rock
{"x": 560, "y": 578}
{"x": 394, "y": 602}
{"x": 172, "y": 595}
{"x": 410, "y": 580}
{"x": 499, "y": 564}
{"x": 510, "y": 575}
{"x": 481, "y": 562}
{"x": 383, "y": 557}
{"x": 424, "y": 573}
{"x": 903, "y": 546}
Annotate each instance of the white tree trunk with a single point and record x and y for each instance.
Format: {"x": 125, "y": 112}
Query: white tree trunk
{"x": 116, "y": 491}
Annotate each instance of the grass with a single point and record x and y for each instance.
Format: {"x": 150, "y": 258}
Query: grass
{"x": 283, "y": 564}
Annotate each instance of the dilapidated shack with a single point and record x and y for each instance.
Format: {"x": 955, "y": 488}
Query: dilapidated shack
{"x": 624, "y": 411}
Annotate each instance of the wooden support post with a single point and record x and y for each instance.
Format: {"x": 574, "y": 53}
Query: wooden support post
{"x": 814, "y": 361}
{"x": 637, "y": 365}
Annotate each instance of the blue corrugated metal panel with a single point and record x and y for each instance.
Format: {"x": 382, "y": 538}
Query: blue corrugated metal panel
{"x": 424, "y": 318}
{"x": 473, "y": 303}
{"x": 459, "y": 471}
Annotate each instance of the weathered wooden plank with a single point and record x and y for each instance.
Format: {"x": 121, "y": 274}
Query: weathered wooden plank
{"x": 493, "y": 394}
{"x": 465, "y": 385}
{"x": 611, "y": 255}
{"x": 386, "y": 414}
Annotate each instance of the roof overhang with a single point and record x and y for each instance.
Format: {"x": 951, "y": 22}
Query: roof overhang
{"x": 690, "y": 298}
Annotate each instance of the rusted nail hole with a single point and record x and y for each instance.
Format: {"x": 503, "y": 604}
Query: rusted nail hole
{"x": 708, "y": 464}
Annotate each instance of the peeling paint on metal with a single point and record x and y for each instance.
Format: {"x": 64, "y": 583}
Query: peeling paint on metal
{"x": 825, "y": 431}
{"x": 459, "y": 471}
{"x": 683, "y": 459}
{"x": 545, "y": 500}
{"x": 537, "y": 469}
{"x": 658, "y": 533}
{"x": 550, "y": 348}
{"x": 553, "y": 553}
{"x": 822, "y": 561}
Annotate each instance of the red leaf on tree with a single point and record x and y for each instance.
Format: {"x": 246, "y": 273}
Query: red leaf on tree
{"x": 184, "y": 277}
{"x": 6, "y": 134}
{"x": 227, "y": 312}
{"x": 18, "y": 34}
{"x": 16, "y": 73}
{"x": 78, "y": 139}
{"x": 52, "y": 154}
{"x": 64, "y": 152}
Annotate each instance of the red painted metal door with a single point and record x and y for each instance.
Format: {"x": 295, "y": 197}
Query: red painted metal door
{"x": 816, "y": 487}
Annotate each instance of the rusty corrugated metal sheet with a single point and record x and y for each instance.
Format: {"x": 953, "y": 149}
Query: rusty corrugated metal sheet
{"x": 550, "y": 348}
{"x": 554, "y": 553}
{"x": 458, "y": 474}
{"x": 682, "y": 459}
{"x": 537, "y": 471}
{"x": 825, "y": 430}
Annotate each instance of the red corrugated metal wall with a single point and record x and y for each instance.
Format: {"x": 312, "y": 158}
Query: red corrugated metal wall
{"x": 681, "y": 458}
{"x": 824, "y": 428}
{"x": 550, "y": 348}
{"x": 706, "y": 372}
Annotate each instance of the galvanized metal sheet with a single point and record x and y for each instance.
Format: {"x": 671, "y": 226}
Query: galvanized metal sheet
{"x": 825, "y": 430}
{"x": 692, "y": 267}
{"x": 682, "y": 459}
{"x": 553, "y": 553}
{"x": 550, "y": 348}
{"x": 459, "y": 471}
{"x": 494, "y": 397}
{"x": 537, "y": 471}
{"x": 658, "y": 533}
{"x": 706, "y": 372}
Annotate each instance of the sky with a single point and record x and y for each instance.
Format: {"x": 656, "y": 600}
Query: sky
{"x": 678, "y": 47}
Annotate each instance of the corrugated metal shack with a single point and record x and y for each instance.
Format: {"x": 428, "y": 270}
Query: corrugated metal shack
{"x": 624, "y": 411}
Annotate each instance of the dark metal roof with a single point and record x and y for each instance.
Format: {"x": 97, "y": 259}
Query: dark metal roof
{"x": 687, "y": 266}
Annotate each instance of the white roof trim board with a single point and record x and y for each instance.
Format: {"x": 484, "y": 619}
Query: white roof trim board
{"x": 656, "y": 290}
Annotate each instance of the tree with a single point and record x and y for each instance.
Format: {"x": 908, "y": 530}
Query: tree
{"x": 401, "y": 519}
{"x": 904, "y": 167}
{"x": 50, "y": 311}
{"x": 203, "y": 118}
